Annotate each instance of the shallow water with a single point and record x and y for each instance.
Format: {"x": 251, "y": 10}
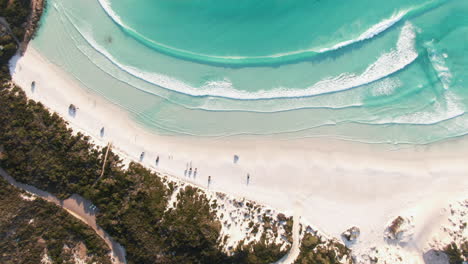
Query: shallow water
{"x": 364, "y": 71}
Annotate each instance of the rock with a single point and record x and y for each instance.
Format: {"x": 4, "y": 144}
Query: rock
{"x": 400, "y": 230}
{"x": 395, "y": 228}
{"x": 351, "y": 234}
{"x": 281, "y": 217}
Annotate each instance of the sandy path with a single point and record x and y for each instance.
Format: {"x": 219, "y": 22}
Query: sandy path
{"x": 296, "y": 245}
{"x": 78, "y": 207}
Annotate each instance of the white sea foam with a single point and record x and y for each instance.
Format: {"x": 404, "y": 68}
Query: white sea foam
{"x": 385, "y": 87}
{"x": 371, "y": 32}
{"x": 447, "y": 108}
{"x": 368, "y": 34}
{"x": 387, "y": 64}
{"x": 106, "y": 5}
{"x": 222, "y": 84}
{"x": 438, "y": 63}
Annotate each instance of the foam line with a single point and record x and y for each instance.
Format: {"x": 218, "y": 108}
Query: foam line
{"x": 387, "y": 64}
{"x": 278, "y": 58}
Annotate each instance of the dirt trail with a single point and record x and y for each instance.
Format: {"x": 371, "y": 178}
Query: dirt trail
{"x": 79, "y": 208}
{"x": 4, "y": 23}
{"x": 293, "y": 253}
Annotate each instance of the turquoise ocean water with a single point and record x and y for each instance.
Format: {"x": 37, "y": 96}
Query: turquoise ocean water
{"x": 361, "y": 70}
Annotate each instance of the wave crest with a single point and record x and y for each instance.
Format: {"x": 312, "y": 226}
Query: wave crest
{"x": 387, "y": 64}
{"x": 278, "y": 58}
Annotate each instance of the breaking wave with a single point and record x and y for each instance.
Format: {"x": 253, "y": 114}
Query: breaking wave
{"x": 387, "y": 64}
{"x": 278, "y": 58}
{"x": 406, "y": 82}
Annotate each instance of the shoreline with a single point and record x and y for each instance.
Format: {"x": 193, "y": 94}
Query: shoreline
{"x": 334, "y": 184}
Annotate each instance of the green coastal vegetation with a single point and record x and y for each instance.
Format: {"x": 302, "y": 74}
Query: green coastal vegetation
{"x": 13, "y": 16}
{"x": 37, "y": 148}
{"x": 315, "y": 250}
{"x": 456, "y": 254}
{"x": 30, "y": 228}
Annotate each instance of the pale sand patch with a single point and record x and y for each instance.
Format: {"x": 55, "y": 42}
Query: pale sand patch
{"x": 337, "y": 184}
{"x": 27, "y": 197}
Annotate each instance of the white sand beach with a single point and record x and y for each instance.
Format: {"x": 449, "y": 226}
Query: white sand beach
{"x": 334, "y": 184}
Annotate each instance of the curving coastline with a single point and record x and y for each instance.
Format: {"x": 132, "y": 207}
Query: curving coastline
{"x": 324, "y": 175}
{"x": 388, "y": 81}
{"x": 341, "y": 181}
{"x": 386, "y": 65}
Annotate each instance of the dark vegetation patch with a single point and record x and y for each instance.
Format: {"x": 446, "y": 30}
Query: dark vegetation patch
{"x": 314, "y": 250}
{"x": 30, "y": 228}
{"x": 457, "y": 255}
{"x": 15, "y": 13}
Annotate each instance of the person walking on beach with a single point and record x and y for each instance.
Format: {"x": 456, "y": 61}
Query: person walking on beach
{"x": 248, "y": 178}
